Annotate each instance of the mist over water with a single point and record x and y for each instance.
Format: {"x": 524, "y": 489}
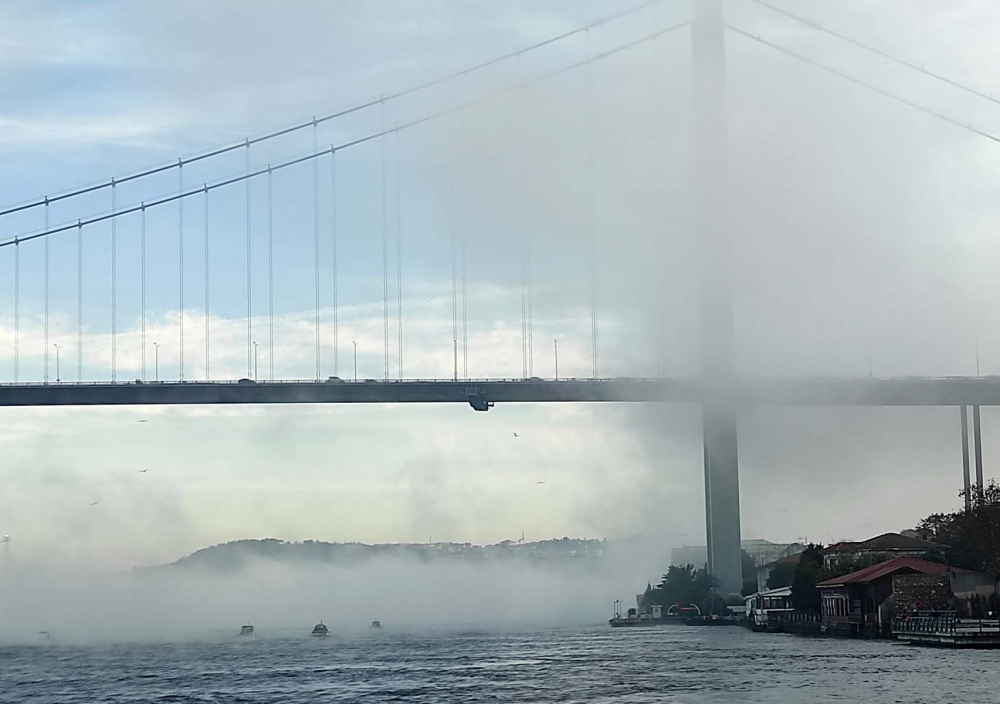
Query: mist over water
{"x": 177, "y": 603}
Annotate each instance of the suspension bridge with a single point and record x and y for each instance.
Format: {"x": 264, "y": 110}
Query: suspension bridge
{"x": 228, "y": 222}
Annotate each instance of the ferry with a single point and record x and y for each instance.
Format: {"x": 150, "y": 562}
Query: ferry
{"x": 631, "y": 620}
{"x": 320, "y": 630}
{"x": 247, "y": 630}
{"x": 376, "y": 624}
{"x": 657, "y": 616}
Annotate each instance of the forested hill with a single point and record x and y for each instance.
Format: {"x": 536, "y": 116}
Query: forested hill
{"x": 236, "y": 554}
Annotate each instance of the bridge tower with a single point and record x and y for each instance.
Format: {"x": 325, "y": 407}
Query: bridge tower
{"x": 719, "y": 425}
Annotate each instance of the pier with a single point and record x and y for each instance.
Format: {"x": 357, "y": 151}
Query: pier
{"x": 945, "y": 628}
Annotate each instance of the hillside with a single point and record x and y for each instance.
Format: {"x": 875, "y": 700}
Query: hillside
{"x": 236, "y": 554}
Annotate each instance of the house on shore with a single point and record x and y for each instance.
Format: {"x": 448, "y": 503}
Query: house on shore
{"x": 880, "y": 548}
{"x": 860, "y": 603}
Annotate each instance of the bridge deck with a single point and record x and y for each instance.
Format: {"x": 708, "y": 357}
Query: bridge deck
{"x": 952, "y": 391}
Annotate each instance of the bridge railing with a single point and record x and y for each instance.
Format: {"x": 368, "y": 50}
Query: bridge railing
{"x": 478, "y": 380}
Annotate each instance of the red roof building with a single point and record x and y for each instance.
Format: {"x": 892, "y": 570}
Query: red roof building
{"x": 881, "y": 547}
{"x": 859, "y": 601}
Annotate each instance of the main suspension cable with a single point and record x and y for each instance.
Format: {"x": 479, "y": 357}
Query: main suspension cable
{"x": 368, "y": 138}
{"x": 869, "y": 86}
{"x": 331, "y": 116}
{"x": 878, "y": 52}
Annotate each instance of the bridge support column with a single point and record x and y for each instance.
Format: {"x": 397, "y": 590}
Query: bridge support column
{"x": 722, "y": 496}
{"x": 978, "y": 440}
{"x": 965, "y": 458}
{"x": 722, "y": 485}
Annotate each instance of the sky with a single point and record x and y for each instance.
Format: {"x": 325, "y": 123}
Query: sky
{"x": 861, "y": 228}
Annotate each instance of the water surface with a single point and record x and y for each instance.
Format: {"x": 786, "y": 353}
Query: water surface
{"x": 666, "y": 664}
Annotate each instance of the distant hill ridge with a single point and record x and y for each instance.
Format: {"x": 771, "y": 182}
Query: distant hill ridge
{"x": 236, "y": 554}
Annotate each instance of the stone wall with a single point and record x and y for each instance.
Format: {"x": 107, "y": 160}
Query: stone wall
{"x": 921, "y": 592}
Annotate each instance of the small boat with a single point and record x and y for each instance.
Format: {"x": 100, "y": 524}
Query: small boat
{"x": 376, "y": 624}
{"x": 247, "y": 630}
{"x": 320, "y": 630}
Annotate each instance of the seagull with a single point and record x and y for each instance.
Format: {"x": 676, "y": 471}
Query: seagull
{"x": 539, "y": 482}
{"x": 142, "y": 471}
{"x": 142, "y": 420}
{"x": 94, "y": 504}
{"x": 516, "y": 435}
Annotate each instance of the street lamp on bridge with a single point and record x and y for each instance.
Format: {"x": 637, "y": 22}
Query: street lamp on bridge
{"x": 57, "y": 363}
{"x": 355, "y": 360}
{"x": 977, "y": 356}
{"x": 255, "y": 360}
{"x": 156, "y": 347}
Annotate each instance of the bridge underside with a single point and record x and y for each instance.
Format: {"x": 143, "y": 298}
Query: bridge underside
{"x": 958, "y": 391}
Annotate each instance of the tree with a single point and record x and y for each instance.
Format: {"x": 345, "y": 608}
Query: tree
{"x": 973, "y": 535}
{"x": 646, "y": 599}
{"x": 749, "y": 569}
{"x": 805, "y": 595}
{"x": 683, "y": 585}
{"x": 677, "y": 586}
{"x": 781, "y": 575}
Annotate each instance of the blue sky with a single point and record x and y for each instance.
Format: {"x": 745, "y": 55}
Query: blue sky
{"x": 860, "y": 222}
{"x": 132, "y": 106}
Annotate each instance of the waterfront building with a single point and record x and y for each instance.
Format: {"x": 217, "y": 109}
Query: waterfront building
{"x": 770, "y": 605}
{"x": 859, "y": 603}
{"x": 880, "y": 548}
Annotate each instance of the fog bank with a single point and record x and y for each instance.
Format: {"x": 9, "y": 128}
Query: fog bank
{"x": 175, "y": 603}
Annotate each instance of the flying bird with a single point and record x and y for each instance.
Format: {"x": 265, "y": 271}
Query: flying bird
{"x": 539, "y": 482}
{"x": 95, "y": 503}
{"x": 142, "y": 420}
{"x": 142, "y": 471}
{"x": 516, "y": 435}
